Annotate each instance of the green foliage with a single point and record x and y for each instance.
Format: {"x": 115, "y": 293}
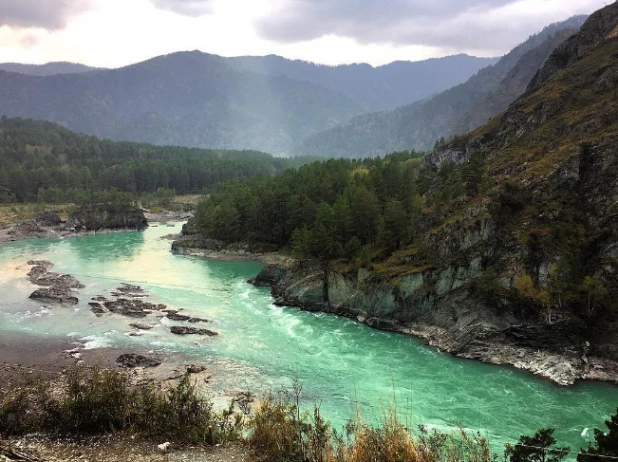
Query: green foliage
{"x": 450, "y": 183}
{"x": 279, "y": 431}
{"x": 606, "y": 444}
{"x": 537, "y": 448}
{"x": 325, "y": 210}
{"x": 42, "y": 161}
{"x": 98, "y": 401}
{"x": 595, "y": 293}
{"x": 162, "y": 197}
{"x": 537, "y": 296}
{"x": 488, "y": 284}
{"x": 473, "y": 172}
{"x": 508, "y": 201}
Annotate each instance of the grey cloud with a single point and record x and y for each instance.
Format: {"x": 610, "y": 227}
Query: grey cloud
{"x": 441, "y": 23}
{"x": 46, "y": 14}
{"x": 185, "y": 7}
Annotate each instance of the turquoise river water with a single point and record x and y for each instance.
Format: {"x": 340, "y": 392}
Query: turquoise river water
{"x": 341, "y": 364}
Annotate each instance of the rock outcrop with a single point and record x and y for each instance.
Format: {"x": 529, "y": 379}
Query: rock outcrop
{"x": 114, "y": 218}
{"x": 183, "y": 330}
{"x": 546, "y": 216}
{"x": 57, "y": 288}
{"x": 87, "y": 219}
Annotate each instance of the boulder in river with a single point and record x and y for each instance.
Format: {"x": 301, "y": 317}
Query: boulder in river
{"x": 184, "y": 317}
{"x": 178, "y": 317}
{"x": 40, "y": 275}
{"x": 55, "y": 295}
{"x": 183, "y": 330}
{"x": 131, "y": 308}
{"x": 98, "y": 309}
{"x": 135, "y": 360}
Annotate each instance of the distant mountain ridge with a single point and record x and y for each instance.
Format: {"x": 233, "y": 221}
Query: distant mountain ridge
{"x": 376, "y": 88}
{"x": 456, "y": 110}
{"x": 203, "y": 100}
{"x": 52, "y": 68}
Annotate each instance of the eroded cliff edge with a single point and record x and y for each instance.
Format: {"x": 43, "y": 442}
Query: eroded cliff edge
{"x": 440, "y": 307}
{"x": 515, "y": 274}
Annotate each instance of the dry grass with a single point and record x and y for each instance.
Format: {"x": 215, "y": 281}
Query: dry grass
{"x": 11, "y": 213}
{"x": 280, "y": 432}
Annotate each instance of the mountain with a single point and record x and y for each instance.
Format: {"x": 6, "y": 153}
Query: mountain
{"x": 513, "y": 85}
{"x": 190, "y": 99}
{"x": 418, "y": 125}
{"x": 376, "y": 88}
{"x": 202, "y": 100}
{"x": 47, "y": 69}
{"x": 507, "y": 248}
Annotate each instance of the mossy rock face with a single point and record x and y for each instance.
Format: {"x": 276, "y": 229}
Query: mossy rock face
{"x": 107, "y": 217}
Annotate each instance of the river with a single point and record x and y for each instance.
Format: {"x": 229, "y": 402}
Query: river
{"x": 342, "y": 365}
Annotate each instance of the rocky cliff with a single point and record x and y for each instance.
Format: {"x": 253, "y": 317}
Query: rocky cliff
{"x": 523, "y": 271}
{"x": 107, "y": 218}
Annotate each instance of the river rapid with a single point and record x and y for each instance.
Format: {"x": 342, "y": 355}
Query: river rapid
{"x": 343, "y": 366}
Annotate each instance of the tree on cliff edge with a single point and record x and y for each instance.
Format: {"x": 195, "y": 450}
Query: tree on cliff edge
{"x": 606, "y": 444}
{"x": 537, "y": 448}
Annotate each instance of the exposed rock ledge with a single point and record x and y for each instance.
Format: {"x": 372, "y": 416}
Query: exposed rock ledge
{"x": 215, "y": 250}
{"x": 436, "y": 306}
{"x": 49, "y": 225}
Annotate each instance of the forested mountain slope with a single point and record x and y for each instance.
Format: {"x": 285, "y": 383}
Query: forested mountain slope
{"x": 502, "y": 244}
{"x": 201, "y": 100}
{"x": 43, "y": 160}
{"x": 189, "y": 99}
{"x": 513, "y": 85}
{"x": 418, "y": 125}
{"x": 375, "y": 88}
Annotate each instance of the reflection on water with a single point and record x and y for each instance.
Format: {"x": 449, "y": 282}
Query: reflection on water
{"x": 261, "y": 347}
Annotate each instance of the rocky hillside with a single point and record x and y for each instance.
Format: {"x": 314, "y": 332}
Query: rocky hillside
{"x": 513, "y": 85}
{"x": 418, "y": 125}
{"x": 201, "y": 100}
{"x": 520, "y": 266}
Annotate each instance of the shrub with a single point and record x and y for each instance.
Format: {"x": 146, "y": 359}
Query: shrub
{"x": 537, "y": 448}
{"x": 96, "y": 400}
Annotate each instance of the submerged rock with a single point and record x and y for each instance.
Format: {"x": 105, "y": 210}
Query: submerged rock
{"x": 98, "y": 309}
{"x": 178, "y": 317}
{"x": 131, "y": 308}
{"x": 137, "y": 325}
{"x": 184, "y": 317}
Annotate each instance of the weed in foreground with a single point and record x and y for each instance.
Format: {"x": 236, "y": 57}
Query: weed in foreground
{"x": 96, "y": 401}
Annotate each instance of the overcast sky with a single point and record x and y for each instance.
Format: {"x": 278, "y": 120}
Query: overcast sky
{"x": 113, "y": 33}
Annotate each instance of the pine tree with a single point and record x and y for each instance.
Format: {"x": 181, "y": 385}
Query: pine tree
{"x": 536, "y": 448}
{"x": 606, "y": 444}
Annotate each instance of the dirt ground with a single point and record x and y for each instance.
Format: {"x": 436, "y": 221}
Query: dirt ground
{"x": 116, "y": 449}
